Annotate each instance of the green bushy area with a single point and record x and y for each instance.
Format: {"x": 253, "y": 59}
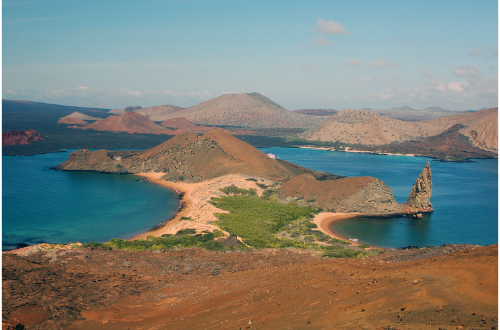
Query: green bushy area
{"x": 265, "y": 222}
{"x": 262, "y": 222}
{"x": 182, "y": 239}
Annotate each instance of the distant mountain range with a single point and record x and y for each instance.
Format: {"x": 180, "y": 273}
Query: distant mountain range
{"x": 244, "y": 110}
{"x": 365, "y": 127}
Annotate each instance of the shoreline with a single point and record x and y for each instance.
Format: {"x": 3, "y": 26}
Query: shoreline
{"x": 183, "y": 210}
{"x": 196, "y": 211}
{"x": 325, "y": 219}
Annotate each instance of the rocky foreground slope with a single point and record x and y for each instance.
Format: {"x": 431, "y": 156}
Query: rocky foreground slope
{"x": 448, "y": 287}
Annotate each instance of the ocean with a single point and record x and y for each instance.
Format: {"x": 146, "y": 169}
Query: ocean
{"x": 464, "y": 197}
{"x": 43, "y": 205}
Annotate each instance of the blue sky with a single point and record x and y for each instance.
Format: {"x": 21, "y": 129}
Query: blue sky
{"x": 301, "y": 54}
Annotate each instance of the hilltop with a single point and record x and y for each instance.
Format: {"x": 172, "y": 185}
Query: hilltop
{"x": 76, "y": 118}
{"x": 156, "y": 113}
{"x": 188, "y": 157}
{"x": 244, "y": 110}
{"x": 369, "y": 128}
{"x": 131, "y": 122}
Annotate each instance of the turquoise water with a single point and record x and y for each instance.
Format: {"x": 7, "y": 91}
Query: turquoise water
{"x": 464, "y": 197}
{"x": 43, "y": 205}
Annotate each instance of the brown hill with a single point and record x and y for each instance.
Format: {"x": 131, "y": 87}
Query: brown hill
{"x": 245, "y": 110}
{"x": 188, "y": 157}
{"x": 316, "y": 112}
{"x": 76, "y": 115}
{"x": 160, "y": 112}
{"x": 131, "y": 122}
{"x": 408, "y": 114}
{"x": 352, "y": 194}
{"x": 71, "y": 121}
{"x": 368, "y": 128}
{"x": 20, "y": 137}
{"x": 449, "y": 145}
{"x": 178, "y": 122}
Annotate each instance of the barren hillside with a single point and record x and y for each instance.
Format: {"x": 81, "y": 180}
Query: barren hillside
{"x": 246, "y": 110}
{"x": 188, "y": 157}
{"x": 131, "y": 122}
{"x": 369, "y": 128}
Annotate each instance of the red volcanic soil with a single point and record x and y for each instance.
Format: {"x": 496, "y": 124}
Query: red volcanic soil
{"x": 131, "y": 122}
{"x": 447, "y": 287}
{"x": 20, "y": 137}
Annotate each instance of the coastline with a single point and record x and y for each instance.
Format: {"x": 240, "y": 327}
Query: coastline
{"x": 325, "y": 219}
{"x": 183, "y": 211}
{"x": 196, "y": 211}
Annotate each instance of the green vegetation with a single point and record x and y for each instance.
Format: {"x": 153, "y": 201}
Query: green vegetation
{"x": 262, "y": 222}
{"x": 182, "y": 239}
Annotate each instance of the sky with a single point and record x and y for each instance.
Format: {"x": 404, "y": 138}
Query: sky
{"x": 301, "y": 54}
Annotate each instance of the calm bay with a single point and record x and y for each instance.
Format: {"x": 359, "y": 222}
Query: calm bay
{"x": 464, "y": 197}
{"x": 43, "y": 205}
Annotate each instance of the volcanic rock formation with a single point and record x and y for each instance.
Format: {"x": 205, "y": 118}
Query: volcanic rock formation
{"x": 350, "y": 194}
{"x": 190, "y": 158}
{"x": 420, "y": 195}
{"x": 20, "y": 137}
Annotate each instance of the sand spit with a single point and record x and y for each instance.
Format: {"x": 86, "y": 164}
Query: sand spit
{"x": 196, "y": 211}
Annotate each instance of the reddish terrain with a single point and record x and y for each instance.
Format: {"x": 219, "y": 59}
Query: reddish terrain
{"x": 20, "y": 137}
{"x": 448, "y": 287}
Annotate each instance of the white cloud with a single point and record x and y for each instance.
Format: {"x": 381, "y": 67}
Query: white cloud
{"x": 466, "y": 70}
{"x": 365, "y": 80}
{"x": 9, "y": 91}
{"x": 322, "y": 41}
{"x": 354, "y": 61}
{"x": 457, "y": 86}
{"x": 380, "y": 63}
{"x": 331, "y": 27}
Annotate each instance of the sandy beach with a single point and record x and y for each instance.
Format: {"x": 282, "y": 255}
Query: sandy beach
{"x": 196, "y": 212}
{"x": 325, "y": 219}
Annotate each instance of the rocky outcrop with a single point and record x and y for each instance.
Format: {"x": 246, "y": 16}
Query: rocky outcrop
{"x": 20, "y": 137}
{"x": 420, "y": 196}
{"x": 352, "y": 194}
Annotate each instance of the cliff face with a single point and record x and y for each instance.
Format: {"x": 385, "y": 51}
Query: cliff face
{"x": 420, "y": 195}
{"x": 20, "y": 137}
